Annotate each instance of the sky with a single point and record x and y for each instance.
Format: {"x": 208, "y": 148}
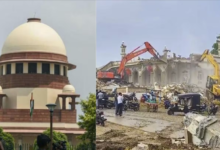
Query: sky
{"x": 184, "y": 27}
{"x": 74, "y": 21}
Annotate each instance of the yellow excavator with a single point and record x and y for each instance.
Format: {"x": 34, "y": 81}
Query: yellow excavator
{"x": 213, "y": 82}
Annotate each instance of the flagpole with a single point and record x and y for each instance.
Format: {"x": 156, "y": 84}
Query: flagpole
{"x": 31, "y": 106}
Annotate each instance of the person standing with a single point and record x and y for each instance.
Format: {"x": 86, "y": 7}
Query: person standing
{"x": 116, "y": 104}
{"x": 120, "y": 104}
{"x": 100, "y": 97}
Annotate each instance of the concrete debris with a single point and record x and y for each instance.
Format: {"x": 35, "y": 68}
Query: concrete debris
{"x": 168, "y": 91}
{"x": 178, "y": 142}
{"x": 101, "y": 85}
{"x": 202, "y": 130}
{"x": 141, "y": 146}
{"x": 182, "y": 88}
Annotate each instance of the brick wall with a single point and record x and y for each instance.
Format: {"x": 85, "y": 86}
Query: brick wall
{"x": 33, "y": 80}
{"x": 33, "y": 55}
{"x": 67, "y": 116}
{"x": 39, "y": 115}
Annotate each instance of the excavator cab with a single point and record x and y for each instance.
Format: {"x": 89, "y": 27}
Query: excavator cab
{"x": 210, "y": 82}
{"x": 213, "y": 88}
{"x": 213, "y": 82}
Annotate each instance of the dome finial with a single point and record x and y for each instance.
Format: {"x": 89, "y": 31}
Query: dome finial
{"x": 165, "y": 48}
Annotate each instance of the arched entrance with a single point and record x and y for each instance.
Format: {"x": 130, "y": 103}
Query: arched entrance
{"x": 185, "y": 76}
{"x": 157, "y": 76}
{"x": 145, "y": 78}
{"x": 126, "y": 77}
{"x": 135, "y": 77}
{"x": 173, "y": 77}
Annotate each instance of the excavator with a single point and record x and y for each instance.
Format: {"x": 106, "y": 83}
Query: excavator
{"x": 122, "y": 70}
{"x": 213, "y": 82}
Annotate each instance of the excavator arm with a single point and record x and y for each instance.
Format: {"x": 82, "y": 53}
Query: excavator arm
{"x": 211, "y": 60}
{"x": 135, "y": 53}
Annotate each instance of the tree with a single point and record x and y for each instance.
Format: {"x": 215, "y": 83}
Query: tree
{"x": 87, "y": 122}
{"x": 215, "y": 48}
{"x": 57, "y": 137}
{"x": 8, "y": 140}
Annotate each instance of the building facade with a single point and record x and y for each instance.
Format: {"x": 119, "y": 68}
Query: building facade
{"x": 145, "y": 72}
{"x": 34, "y": 62}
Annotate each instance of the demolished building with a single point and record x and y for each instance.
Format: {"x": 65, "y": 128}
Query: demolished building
{"x": 145, "y": 72}
{"x": 202, "y": 130}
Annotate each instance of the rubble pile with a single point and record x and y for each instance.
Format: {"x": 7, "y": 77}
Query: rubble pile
{"x": 168, "y": 91}
{"x": 100, "y": 85}
{"x": 181, "y": 88}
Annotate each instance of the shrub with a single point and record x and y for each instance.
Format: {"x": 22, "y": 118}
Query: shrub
{"x": 9, "y": 143}
{"x": 57, "y": 136}
{"x": 88, "y": 123}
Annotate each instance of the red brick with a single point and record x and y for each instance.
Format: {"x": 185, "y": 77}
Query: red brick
{"x": 39, "y": 115}
{"x": 33, "y": 80}
{"x": 33, "y": 55}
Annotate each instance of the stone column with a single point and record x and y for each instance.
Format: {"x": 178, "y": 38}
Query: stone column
{"x": 73, "y": 102}
{"x": 147, "y": 78}
{"x": 154, "y": 74}
{"x": 52, "y": 68}
{"x": 64, "y": 103}
{"x": 163, "y": 69}
{"x": 13, "y": 68}
{"x": 163, "y": 78}
{"x": 1, "y": 101}
{"x": 140, "y": 77}
{"x": 61, "y": 70}
{"x": 4, "y": 69}
{"x": 39, "y": 67}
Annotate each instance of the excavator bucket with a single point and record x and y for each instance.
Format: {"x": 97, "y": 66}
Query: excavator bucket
{"x": 205, "y": 53}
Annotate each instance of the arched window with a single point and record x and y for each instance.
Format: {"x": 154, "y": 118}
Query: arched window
{"x": 45, "y": 68}
{"x": 19, "y": 68}
{"x": 173, "y": 77}
{"x": 1, "y": 71}
{"x": 8, "y": 69}
{"x": 200, "y": 75}
{"x": 185, "y": 76}
{"x": 57, "y": 69}
{"x": 32, "y": 67}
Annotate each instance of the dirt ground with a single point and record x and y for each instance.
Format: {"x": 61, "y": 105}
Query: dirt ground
{"x": 115, "y": 136}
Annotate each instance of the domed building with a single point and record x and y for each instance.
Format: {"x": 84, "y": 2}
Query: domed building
{"x": 33, "y": 64}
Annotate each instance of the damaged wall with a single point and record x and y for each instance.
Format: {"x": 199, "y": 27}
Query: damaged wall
{"x": 177, "y": 69}
{"x": 173, "y": 72}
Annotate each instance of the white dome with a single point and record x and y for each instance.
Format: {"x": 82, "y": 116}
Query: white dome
{"x": 34, "y": 37}
{"x": 68, "y": 89}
